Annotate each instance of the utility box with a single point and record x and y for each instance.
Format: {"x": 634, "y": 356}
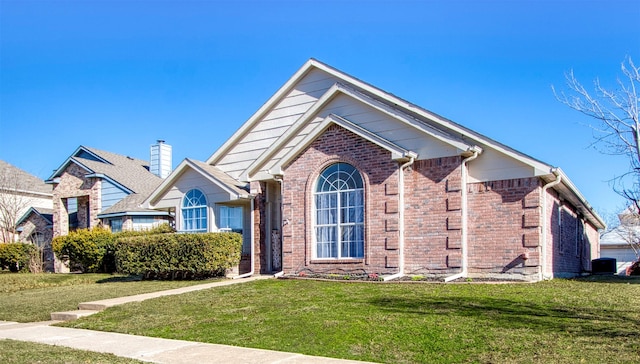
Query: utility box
{"x": 603, "y": 266}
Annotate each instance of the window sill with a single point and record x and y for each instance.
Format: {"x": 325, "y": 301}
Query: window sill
{"x": 337, "y": 261}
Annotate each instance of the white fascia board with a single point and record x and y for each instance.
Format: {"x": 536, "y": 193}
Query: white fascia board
{"x": 540, "y": 168}
{"x": 175, "y": 174}
{"x": 293, "y": 130}
{"x": 25, "y": 192}
{"x": 397, "y": 152}
{"x": 408, "y": 120}
{"x": 335, "y": 90}
{"x": 104, "y": 176}
{"x": 166, "y": 183}
{"x": 232, "y": 194}
{"x": 588, "y": 209}
{"x": 258, "y": 115}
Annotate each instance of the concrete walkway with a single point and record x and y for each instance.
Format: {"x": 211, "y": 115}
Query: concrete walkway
{"x": 149, "y": 349}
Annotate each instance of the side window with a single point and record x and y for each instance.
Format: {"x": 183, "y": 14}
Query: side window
{"x": 194, "y": 212}
{"x": 231, "y": 219}
{"x": 339, "y": 213}
{"x": 116, "y": 225}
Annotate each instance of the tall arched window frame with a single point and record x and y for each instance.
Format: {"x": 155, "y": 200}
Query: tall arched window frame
{"x": 339, "y": 213}
{"x": 194, "y": 211}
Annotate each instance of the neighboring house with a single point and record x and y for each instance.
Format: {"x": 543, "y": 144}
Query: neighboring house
{"x": 334, "y": 175}
{"x": 94, "y": 187}
{"x": 623, "y": 241}
{"x": 36, "y": 227}
{"x": 19, "y": 192}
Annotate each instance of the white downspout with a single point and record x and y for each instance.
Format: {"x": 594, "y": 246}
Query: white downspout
{"x": 543, "y": 239}
{"x": 252, "y": 241}
{"x": 465, "y": 216}
{"x": 401, "y": 221}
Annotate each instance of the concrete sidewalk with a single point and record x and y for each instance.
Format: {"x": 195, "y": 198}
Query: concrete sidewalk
{"x": 154, "y": 350}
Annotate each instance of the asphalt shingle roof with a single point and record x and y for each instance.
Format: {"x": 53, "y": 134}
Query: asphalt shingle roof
{"x": 130, "y": 172}
{"x": 23, "y": 180}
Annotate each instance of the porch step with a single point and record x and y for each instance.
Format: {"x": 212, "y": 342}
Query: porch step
{"x": 71, "y": 315}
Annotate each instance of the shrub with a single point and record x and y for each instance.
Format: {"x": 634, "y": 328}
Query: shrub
{"x": 93, "y": 250}
{"x": 15, "y": 256}
{"x": 89, "y": 250}
{"x": 178, "y": 255}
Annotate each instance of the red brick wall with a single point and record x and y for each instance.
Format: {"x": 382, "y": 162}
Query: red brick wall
{"x": 504, "y": 217}
{"x": 433, "y": 216}
{"x": 73, "y": 183}
{"x": 380, "y": 175}
{"x": 571, "y": 239}
{"x": 504, "y": 223}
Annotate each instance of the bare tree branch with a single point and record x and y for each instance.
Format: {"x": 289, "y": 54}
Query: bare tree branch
{"x": 618, "y": 128}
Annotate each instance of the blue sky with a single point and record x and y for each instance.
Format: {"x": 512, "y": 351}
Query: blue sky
{"x": 117, "y": 75}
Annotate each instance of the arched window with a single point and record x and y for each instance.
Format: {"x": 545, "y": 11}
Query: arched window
{"x": 194, "y": 211}
{"x": 339, "y": 213}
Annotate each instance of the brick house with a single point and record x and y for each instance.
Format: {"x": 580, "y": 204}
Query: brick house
{"x": 94, "y": 187}
{"x": 36, "y": 227}
{"x": 333, "y": 175}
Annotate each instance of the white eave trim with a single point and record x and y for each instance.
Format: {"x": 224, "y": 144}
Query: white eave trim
{"x": 175, "y": 174}
{"x": 397, "y": 152}
{"x": 258, "y": 115}
{"x": 570, "y": 192}
{"x": 335, "y": 90}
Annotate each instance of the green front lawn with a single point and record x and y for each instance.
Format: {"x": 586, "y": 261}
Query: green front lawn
{"x": 32, "y": 297}
{"x": 20, "y": 352}
{"x": 561, "y": 321}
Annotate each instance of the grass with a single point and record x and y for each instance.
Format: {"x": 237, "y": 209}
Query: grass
{"x": 32, "y": 297}
{"x": 19, "y": 352}
{"x": 561, "y": 321}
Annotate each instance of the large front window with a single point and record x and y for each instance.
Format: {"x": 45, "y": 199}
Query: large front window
{"x": 194, "y": 212}
{"x": 339, "y": 213}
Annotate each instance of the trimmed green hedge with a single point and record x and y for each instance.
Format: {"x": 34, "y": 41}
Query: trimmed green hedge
{"x": 15, "y": 256}
{"x": 92, "y": 250}
{"x": 172, "y": 256}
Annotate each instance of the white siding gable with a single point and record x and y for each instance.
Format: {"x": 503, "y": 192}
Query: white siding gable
{"x": 374, "y": 121}
{"x": 275, "y": 122}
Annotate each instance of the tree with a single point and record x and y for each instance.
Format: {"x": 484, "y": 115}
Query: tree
{"x": 14, "y": 201}
{"x": 617, "y": 131}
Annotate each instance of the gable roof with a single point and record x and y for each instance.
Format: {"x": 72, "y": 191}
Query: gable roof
{"x": 128, "y": 173}
{"x": 338, "y": 88}
{"x": 22, "y": 181}
{"x": 396, "y": 107}
{"x": 211, "y": 173}
{"x": 46, "y": 214}
{"x": 397, "y": 152}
